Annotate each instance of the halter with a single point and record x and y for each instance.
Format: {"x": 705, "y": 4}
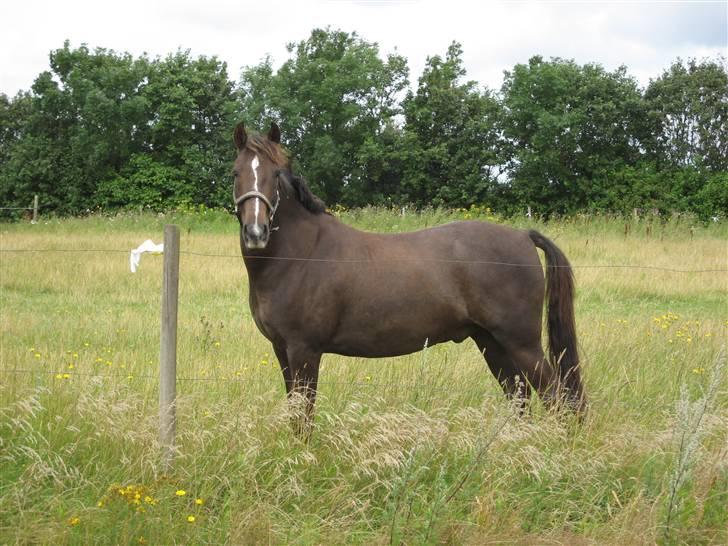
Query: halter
{"x": 254, "y": 194}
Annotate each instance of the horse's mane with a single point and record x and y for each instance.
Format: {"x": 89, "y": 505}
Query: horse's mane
{"x": 305, "y": 196}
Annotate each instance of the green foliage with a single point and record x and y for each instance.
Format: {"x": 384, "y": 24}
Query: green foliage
{"x": 572, "y": 127}
{"x": 453, "y": 134}
{"x": 106, "y": 129}
{"x": 145, "y": 183}
{"x": 688, "y": 115}
{"x": 335, "y": 99}
{"x": 92, "y": 117}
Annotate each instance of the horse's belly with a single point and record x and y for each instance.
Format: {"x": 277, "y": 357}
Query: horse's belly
{"x": 394, "y": 332}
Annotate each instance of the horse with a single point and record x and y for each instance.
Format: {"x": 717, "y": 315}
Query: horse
{"x": 320, "y": 286}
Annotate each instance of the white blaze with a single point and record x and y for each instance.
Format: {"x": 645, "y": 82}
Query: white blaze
{"x": 254, "y": 165}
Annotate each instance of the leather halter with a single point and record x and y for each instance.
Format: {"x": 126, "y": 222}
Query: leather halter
{"x": 253, "y": 194}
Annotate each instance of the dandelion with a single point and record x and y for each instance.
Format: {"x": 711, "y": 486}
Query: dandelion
{"x": 199, "y": 502}
{"x": 217, "y": 344}
{"x": 74, "y": 521}
{"x": 37, "y": 355}
{"x": 180, "y": 492}
{"x": 191, "y": 518}
{"x": 698, "y": 371}
{"x": 66, "y": 375}
{"x": 59, "y": 376}
{"x": 142, "y": 540}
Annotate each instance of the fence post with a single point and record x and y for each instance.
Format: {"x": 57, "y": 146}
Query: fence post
{"x": 168, "y": 347}
{"x": 35, "y": 209}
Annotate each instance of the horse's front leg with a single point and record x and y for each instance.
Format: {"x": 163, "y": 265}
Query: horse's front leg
{"x": 304, "y": 368}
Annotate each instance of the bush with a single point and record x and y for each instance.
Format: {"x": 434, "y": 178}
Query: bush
{"x": 145, "y": 182}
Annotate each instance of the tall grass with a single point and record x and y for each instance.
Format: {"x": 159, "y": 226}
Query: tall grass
{"x": 417, "y": 449}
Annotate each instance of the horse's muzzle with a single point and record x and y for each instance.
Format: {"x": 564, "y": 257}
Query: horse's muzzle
{"x": 255, "y": 236}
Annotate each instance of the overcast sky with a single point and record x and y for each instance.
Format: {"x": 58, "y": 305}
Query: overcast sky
{"x": 646, "y": 36}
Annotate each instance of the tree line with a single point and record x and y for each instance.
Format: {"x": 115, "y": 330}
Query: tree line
{"x": 104, "y": 130}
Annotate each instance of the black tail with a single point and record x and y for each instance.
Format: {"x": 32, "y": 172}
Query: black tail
{"x": 563, "y": 352}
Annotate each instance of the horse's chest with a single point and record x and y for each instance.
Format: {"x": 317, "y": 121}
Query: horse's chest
{"x": 263, "y": 309}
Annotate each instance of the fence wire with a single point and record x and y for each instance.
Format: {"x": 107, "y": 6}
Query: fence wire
{"x": 356, "y": 261}
{"x": 363, "y": 261}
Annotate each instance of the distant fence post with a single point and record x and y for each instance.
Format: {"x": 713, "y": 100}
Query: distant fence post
{"x": 35, "y": 209}
{"x": 168, "y": 347}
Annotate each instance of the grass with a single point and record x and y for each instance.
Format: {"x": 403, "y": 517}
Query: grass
{"x": 411, "y": 450}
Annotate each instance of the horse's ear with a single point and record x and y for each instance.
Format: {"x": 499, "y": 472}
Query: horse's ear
{"x": 274, "y": 135}
{"x": 240, "y": 137}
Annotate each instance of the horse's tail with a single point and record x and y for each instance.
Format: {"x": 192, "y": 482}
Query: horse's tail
{"x": 563, "y": 351}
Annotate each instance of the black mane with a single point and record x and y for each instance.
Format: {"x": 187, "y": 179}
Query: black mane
{"x": 303, "y": 193}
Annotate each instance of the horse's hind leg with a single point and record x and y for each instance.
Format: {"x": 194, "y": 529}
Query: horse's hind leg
{"x": 516, "y": 352}
{"x": 527, "y": 356}
{"x": 506, "y": 373}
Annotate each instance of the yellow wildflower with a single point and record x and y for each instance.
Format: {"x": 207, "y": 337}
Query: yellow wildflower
{"x": 191, "y": 518}
{"x": 199, "y": 502}
{"x": 180, "y": 492}
{"x": 74, "y": 521}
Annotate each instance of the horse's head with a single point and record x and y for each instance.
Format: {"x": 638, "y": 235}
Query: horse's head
{"x": 255, "y": 188}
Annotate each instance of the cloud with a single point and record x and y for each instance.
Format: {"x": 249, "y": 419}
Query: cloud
{"x": 644, "y": 36}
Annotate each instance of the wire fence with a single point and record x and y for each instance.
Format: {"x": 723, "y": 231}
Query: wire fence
{"x": 363, "y": 261}
{"x": 594, "y": 397}
{"x": 33, "y": 208}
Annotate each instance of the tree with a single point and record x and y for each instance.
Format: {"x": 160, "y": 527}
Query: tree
{"x": 688, "y": 114}
{"x": 572, "y": 127}
{"x": 452, "y": 132}
{"x": 334, "y": 99}
{"x": 100, "y": 126}
{"x": 80, "y": 125}
{"x": 191, "y": 108}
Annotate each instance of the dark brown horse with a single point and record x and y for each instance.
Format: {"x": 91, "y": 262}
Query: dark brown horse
{"x": 319, "y": 286}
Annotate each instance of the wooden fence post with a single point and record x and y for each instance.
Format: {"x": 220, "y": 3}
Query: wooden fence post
{"x": 35, "y": 209}
{"x": 168, "y": 347}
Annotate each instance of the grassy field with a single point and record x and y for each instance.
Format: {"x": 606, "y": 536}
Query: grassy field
{"x": 412, "y": 450}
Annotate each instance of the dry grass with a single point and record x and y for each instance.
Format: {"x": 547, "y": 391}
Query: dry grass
{"x": 418, "y": 449}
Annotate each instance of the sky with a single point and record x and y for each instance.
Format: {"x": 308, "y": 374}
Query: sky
{"x": 646, "y": 36}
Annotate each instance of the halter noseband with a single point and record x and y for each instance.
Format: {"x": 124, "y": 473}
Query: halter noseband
{"x": 254, "y": 194}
